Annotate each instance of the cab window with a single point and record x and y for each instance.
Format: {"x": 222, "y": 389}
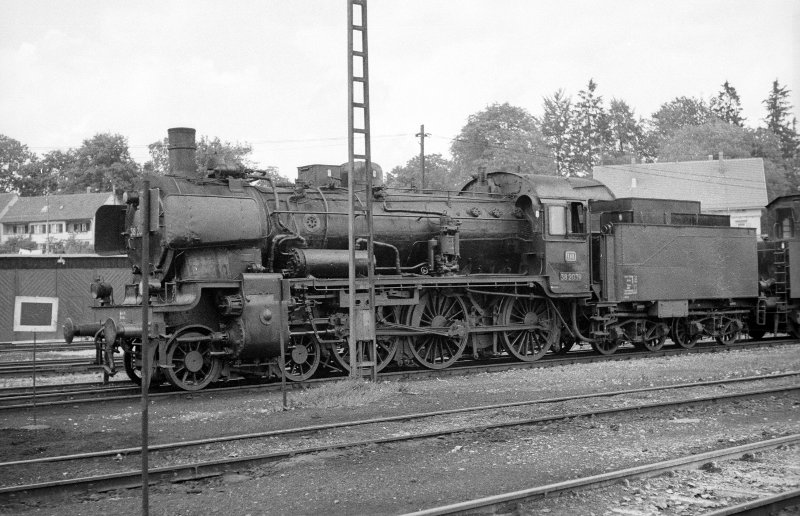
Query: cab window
{"x": 577, "y": 218}
{"x": 785, "y": 226}
{"x": 557, "y": 220}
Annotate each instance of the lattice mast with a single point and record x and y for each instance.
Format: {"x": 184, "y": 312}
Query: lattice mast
{"x": 361, "y": 339}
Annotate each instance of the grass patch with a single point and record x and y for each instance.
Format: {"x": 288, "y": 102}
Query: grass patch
{"x": 346, "y": 393}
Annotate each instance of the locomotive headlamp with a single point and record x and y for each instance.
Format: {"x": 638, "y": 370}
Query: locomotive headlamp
{"x": 101, "y": 290}
{"x": 131, "y": 198}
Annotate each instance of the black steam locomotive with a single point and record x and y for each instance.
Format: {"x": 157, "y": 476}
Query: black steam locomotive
{"x": 245, "y": 270}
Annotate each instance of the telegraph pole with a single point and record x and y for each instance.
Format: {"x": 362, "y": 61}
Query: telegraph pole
{"x": 422, "y": 134}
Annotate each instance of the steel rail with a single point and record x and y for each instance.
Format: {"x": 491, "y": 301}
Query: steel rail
{"x": 197, "y": 470}
{"x": 406, "y": 417}
{"x": 605, "y": 479}
{"x": 500, "y": 364}
{"x": 761, "y": 506}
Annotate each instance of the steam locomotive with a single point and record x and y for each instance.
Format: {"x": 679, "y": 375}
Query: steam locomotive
{"x": 251, "y": 277}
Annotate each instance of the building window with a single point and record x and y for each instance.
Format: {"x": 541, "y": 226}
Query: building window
{"x": 58, "y": 227}
{"x": 79, "y": 227}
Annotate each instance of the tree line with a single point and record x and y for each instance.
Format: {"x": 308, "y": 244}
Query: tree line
{"x": 574, "y": 134}
{"x": 570, "y": 137}
{"x": 103, "y": 164}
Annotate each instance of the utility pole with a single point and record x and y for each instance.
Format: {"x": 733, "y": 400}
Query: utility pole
{"x": 422, "y": 134}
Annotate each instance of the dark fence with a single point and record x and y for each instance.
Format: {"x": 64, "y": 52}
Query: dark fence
{"x": 66, "y": 277}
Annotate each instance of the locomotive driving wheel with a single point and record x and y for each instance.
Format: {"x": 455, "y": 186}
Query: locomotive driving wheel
{"x": 681, "y": 334}
{"x": 302, "y": 358}
{"x": 543, "y": 330}
{"x": 192, "y": 366}
{"x": 387, "y": 346}
{"x": 446, "y": 315}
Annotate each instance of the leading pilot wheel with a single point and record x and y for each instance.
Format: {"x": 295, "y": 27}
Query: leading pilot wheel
{"x": 191, "y": 364}
{"x": 132, "y": 360}
{"x": 445, "y": 316}
{"x": 302, "y": 357}
{"x": 541, "y": 327}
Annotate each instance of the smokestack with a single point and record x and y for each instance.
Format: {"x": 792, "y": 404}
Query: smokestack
{"x": 181, "y": 152}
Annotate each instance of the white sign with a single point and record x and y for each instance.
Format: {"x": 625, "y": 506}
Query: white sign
{"x": 35, "y": 313}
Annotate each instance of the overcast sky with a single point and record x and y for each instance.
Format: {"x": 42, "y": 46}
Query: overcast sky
{"x": 274, "y": 73}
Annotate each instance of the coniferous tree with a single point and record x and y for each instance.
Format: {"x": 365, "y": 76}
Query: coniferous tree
{"x": 626, "y": 134}
{"x": 727, "y": 106}
{"x": 590, "y": 134}
{"x": 778, "y": 109}
{"x": 556, "y": 127}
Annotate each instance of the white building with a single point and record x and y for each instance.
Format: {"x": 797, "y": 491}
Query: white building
{"x": 59, "y": 217}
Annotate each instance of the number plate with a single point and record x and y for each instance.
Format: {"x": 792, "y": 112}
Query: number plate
{"x": 570, "y": 276}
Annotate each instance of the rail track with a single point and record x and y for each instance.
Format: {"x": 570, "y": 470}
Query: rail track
{"x": 354, "y": 434}
{"x": 760, "y": 506}
{"x": 53, "y": 395}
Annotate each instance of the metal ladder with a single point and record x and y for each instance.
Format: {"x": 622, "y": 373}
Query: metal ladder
{"x": 781, "y": 290}
{"x": 362, "y": 324}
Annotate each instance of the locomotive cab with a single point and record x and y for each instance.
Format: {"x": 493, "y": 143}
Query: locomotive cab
{"x": 778, "y": 256}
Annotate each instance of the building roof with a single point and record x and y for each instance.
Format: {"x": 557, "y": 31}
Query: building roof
{"x": 61, "y": 207}
{"x": 6, "y": 199}
{"x": 719, "y": 185}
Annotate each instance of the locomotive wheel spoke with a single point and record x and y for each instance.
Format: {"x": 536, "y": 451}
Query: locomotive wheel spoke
{"x": 302, "y": 358}
{"x": 654, "y": 336}
{"x": 193, "y": 366}
{"x": 606, "y": 347}
{"x": 435, "y": 310}
{"x": 681, "y": 335}
{"x": 386, "y": 346}
{"x": 529, "y": 344}
{"x": 728, "y": 332}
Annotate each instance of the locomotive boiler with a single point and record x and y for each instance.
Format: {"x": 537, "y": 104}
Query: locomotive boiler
{"x": 249, "y": 276}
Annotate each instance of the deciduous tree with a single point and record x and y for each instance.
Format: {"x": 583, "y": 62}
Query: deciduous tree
{"x": 438, "y": 174}
{"x": 501, "y": 137}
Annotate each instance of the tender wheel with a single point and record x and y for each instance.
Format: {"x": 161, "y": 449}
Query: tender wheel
{"x": 681, "y": 334}
{"x": 654, "y": 336}
{"x": 302, "y": 358}
{"x": 531, "y": 343}
{"x": 446, "y": 315}
{"x": 729, "y": 331}
{"x": 192, "y": 365}
{"x": 386, "y": 317}
{"x": 606, "y": 346}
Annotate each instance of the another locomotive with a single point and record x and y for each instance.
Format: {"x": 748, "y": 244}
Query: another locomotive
{"x": 512, "y": 264}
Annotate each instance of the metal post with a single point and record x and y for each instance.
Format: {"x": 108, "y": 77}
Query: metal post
{"x": 422, "y": 134}
{"x": 34, "y": 379}
{"x": 145, "y": 268}
{"x": 351, "y": 245}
